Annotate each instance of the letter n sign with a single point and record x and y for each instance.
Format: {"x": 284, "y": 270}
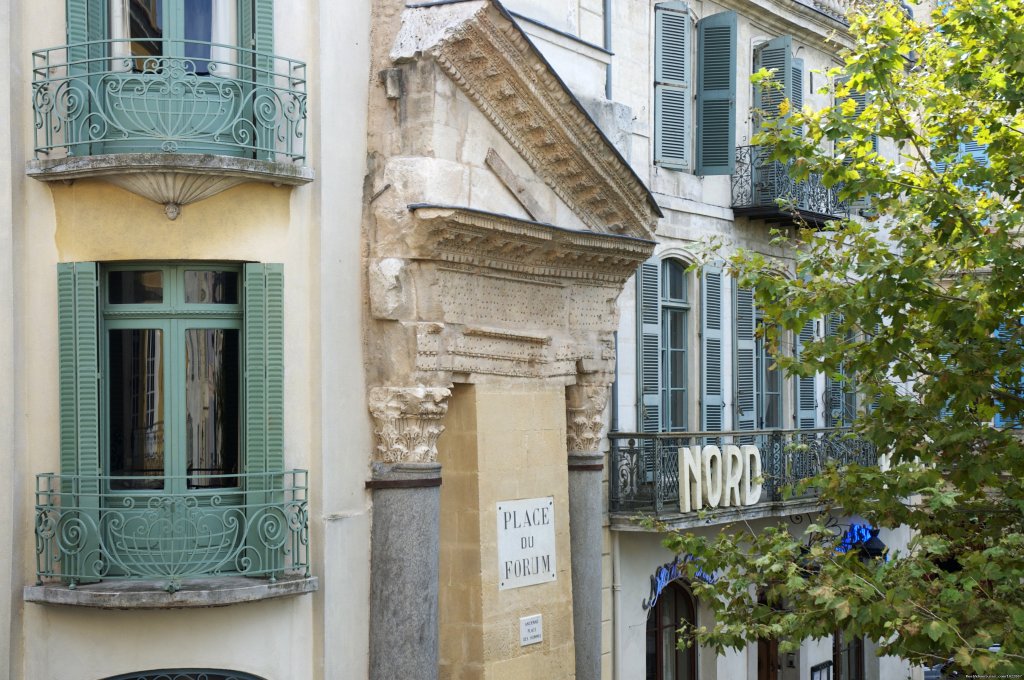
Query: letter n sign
{"x": 526, "y": 542}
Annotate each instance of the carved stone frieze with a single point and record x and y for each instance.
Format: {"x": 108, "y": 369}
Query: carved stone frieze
{"x": 407, "y": 422}
{"x": 469, "y": 236}
{"x": 488, "y": 56}
{"x": 584, "y": 415}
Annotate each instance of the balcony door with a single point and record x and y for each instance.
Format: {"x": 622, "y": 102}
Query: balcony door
{"x": 174, "y": 82}
{"x": 172, "y": 403}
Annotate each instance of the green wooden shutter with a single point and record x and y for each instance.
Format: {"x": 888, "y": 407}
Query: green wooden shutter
{"x": 841, "y": 394}
{"x": 797, "y": 93}
{"x": 744, "y": 353}
{"x": 256, "y": 32}
{"x": 672, "y": 99}
{"x": 649, "y": 347}
{"x": 775, "y": 55}
{"x": 806, "y": 403}
{"x": 78, "y": 371}
{"x": 716, "y": 94}
{"x": 770, "y": 181}
{"x": 712, "y": 397}
{"x": 264, "y": 403}
{"x": 86, "y": 29}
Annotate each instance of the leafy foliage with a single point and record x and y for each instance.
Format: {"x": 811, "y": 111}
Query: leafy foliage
{"x": 929, "y": 285}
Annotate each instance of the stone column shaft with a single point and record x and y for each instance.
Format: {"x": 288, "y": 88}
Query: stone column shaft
{"x": 405, "y": 538}
{"x": 584, "y": 421}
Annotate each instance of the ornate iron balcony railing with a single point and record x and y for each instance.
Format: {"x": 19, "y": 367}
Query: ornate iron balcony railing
{"x": 199, "y": 526}
{"x": 644, "y": 467}
{"x": 763, "y": 189}
{"x": 103, "y": 97}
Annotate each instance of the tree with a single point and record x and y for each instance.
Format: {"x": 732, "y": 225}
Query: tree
{"x": 928, "y": 286}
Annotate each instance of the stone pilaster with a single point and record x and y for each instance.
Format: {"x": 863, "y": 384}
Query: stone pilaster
{"x": 405, "y": 538}
{"x": 585, "y": 403}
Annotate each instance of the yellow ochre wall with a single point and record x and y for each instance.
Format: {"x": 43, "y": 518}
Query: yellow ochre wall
{"x": 502, "y": 442}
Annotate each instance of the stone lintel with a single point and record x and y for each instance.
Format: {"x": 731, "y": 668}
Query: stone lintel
{"x": 152, "y": 594}
{"x": 501, "y": 242}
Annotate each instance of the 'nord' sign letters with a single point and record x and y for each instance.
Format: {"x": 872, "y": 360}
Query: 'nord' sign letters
{"x": 718, "y": 477}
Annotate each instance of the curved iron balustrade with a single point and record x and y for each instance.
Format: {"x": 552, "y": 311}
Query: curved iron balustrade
{"x": 87, "y": 532}
{"x": 644, "y": 467}
{"x": 98, "y": 98}
{"x": 763, "y": 188}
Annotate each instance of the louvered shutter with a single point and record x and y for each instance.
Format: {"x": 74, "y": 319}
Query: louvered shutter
{"x": 770, "y": 181}
{"x": 1001, "y": 420}
{"x": 806, "y": 404}
{"x": 776, "y": 56}
{"x": 78, "y": 371}
{"x": 264, "y": 401}
{"x": 862, "y": 99}
{"x": 979, "y": 152}
{"x": 716, "y": 94}
{"x": 712, "y": 397}
{"x": 256, "y": 32}
{"x": 945, "y": 412}
{"x": 649, "y": 347}
{"x": 745, "y": 349}
{"x": 841, "y": 395}
{"x": 86, "y": 31}
{"x": 672, "y": 99}
{"x": 797, "y": 94}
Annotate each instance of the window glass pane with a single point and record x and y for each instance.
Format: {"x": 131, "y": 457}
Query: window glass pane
{"x": 146, "y": 27}
{"x": 675, "y": 280}
{"x": 210, "y": 287}
{"x": 677, "y": 329}
{"x": 136, "y": 408}
{"x": 211, "y": 406}
{"x": 198, "y": 33}
{"x": 135, "y": 287}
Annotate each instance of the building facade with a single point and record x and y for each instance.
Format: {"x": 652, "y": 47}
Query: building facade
{"x": 315, "y": 316}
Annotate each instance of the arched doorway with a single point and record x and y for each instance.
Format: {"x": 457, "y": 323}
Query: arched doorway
{"x": 665, "y": 661}
{"x": 186, "y": 674}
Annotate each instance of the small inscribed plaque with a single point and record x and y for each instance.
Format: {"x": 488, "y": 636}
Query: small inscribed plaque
{"x": 526, "y": 542}
{"x": 531, "y": 630}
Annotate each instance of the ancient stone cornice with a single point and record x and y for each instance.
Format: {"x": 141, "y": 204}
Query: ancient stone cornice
{"x": 584, "y": 415}
{"x": 484, "y": 51}
{"x": 500, "y": 242}
{"x": 407, "y": 422}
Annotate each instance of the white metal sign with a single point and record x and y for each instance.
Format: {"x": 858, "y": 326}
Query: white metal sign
{"x": 526, "y": 542}
{"x": 531, "y": 630}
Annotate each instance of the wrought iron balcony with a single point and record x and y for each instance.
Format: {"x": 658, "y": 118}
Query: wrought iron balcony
{"x": 763, "y": 189}
{"x": 644, "y": 474}
{"x": 102, "y": 109}
{"x": 199, "y": 526}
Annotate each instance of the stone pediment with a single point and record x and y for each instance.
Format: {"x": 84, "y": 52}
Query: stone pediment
{"x": 482, "y": 49}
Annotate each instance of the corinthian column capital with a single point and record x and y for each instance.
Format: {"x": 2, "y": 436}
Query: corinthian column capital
{"x": 407, "y": 422}
{"x": 584, "y": 415}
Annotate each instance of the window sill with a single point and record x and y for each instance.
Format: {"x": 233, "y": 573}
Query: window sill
{"x": 206, "y": 592}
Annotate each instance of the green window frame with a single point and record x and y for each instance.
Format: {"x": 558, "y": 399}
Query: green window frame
{"x": 86, "y": 317}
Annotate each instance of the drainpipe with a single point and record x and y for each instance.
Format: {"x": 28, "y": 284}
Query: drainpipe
{"x": 608, "y": 46}
{"x": 616, "y": 609}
